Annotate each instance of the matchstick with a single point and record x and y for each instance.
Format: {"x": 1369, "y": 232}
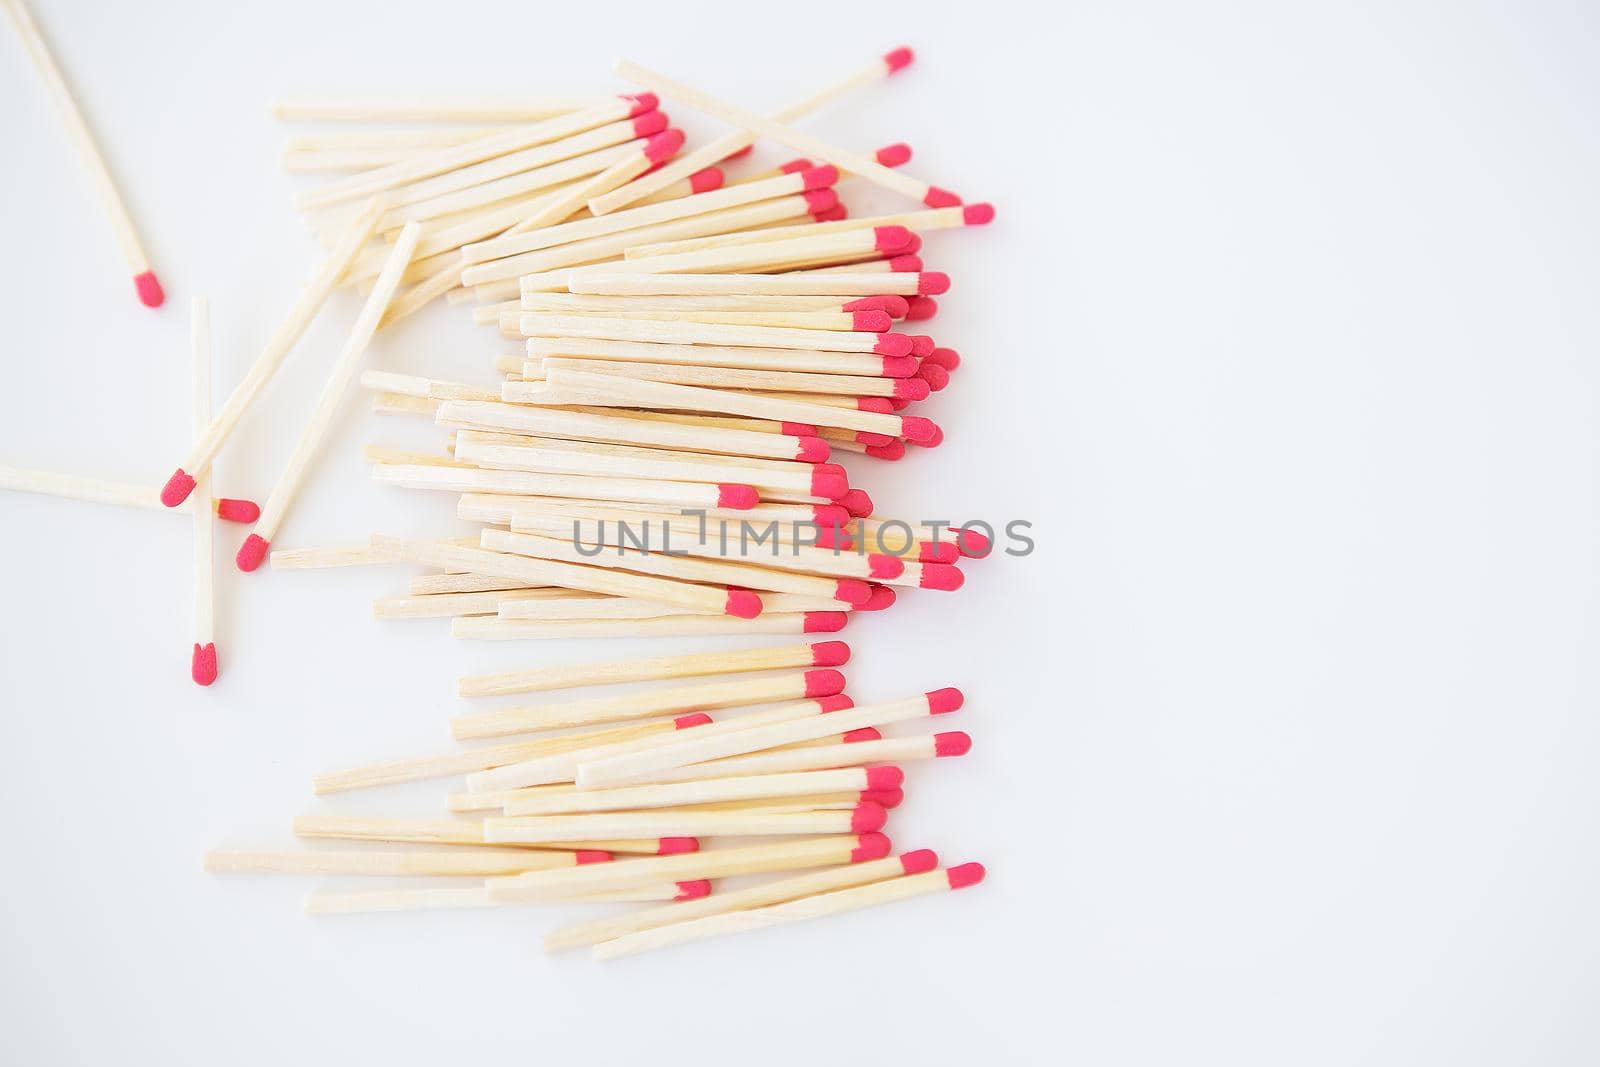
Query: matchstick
{"x": 305, "y": 308}
{"x": 871, "y": 321}
{"x": 815, "y": 907}
{"x": 582, "y": 608}
{"x": 917, "y": 221}
{"x": 467, "y": 479}
{"x": 203, "y": 657}
{"x": 576, "y": 303}
{"x": 451, "y": 605}
{"x": 362, "y": 140}
{"x": 144, "y": 279}
{"x": 654, "y": 668}
{"x": 254, "y": 549}
{"x": 736, "y": 692}
{"x": 800, "y": 622}
{"x": 298, "y": 559}
{"x": 455, "y": 862}
{"x": 501, "y": 510}
{"x": 865, "y": 817}
{"x": 816, "y": 757}
{"x": 769, "y": 383}
{"x": 815, "y": 148}
{"x": 711, "y": 791}
{"x": 120, "y": 494}
{"x": 463, "y": 832}
{"x": 810, "y": 361}
{"x": 428, "y": 109}
{"x": 792, "y": 254}
{"x": 800, "y": 283}
{"x": 365, "y": 901}
{"x": 712, "y": 863}
{"x": 656, "y": 331}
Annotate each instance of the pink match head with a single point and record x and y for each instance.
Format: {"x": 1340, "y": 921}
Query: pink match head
{"x": 829, "y": 480}
{"x": 832, "y": 214}
{"x": 934, "y": 441}
{"x": 905, "y": 264}
{"x": 591, "y": 855}
{"x": 741, "y": 153}
{"x": 883, "y": 567}
{"x": 952, "y": 743}
{"x": 837, "y": 702}
{"x": 704, "y": 181}
{"x": 937, "y": 552}
{"x": 933, "y": 283}
{"x": 824, "y": 683}
{"x": 868, "y": 818}
{"x": 797, "y": 429}
{"x": 899, "y": 366}
{"x": 739, "y": 497}
{"x": 664, "y": 145}
{"x": 912, "y": 388}
{"x": 887, "y": 776}
{"x": 898, "y": 404}
{"x": 865, "y": 733}
{"x": 879, "y": 404}
{"x": 231, "y": 510}
{"x": 948, "y": 358}
{"x": 817, "y": 177}
{"x": 938, "y": 197}
{"x": 149, "y": 289}
{"x": 893, "y": 240}
{"x": 650, "y": 125}
{"x": 691, "y": 720}
{"x": 921, "y": 861}
{"x": 700, "y": 887}
{"x": 883, "y": 596}
{"x": 251, "y": 553}
{"x": 972, "y": 544}
{"x": 872, "y": 320}
{"x": 829, "y": 515}
{"x": 857, "y": 503}
{"x": 943, "y": 701}
{"x": 893, "y": 155}
{"x": 921, "y": 308}
{"x": 964, "y": 875}
{"x": 820, "y": 200}
{"x": 899, "y": 59}
{"x": 677, "y": 846}
{"x": 203, "y": 664}
{"x": 824, "y": 622}
{"x": 894, "y": 306}
{"x": 888, "y": 799}
{"x": 829, "y": 537}
{"x": 641, "y": 102}
{"x": 893, "y": 344}
{"x": 742, "y": 604}
{"x": 177, "y": 489}
{"x": 812, "y": 450}
{"x": 852, "y": 591}
{"x": 917, "y": 429}
{"x": 941, "y": 576}
{"x": 921, "y": 345}
{"x": 936, "y": 376}
{"x": 870, "y": 847}
{"x": 977, "y": 214}
{"x": 795, "y": 166}
{"x": 830, "y": 654}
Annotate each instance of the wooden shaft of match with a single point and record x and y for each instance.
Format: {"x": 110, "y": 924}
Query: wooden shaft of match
{"x": 658, "y": 331}
{"x": 466, "y": 479}
{"x": 433, "y": 584}
{"x": 808, "y": 757}
{"x": 428, "y": 109}
{"x": 702, "y": 461}
{"x": 362, "y": 901}
{"x": 553, "y": 829}
{"x": 803, "y": 909}
{"x": 204, "y": 564}
{"x": 438, "y": 832}
{"x": 709, "y": 791}
{"x": 807, "y": 145}
{"x": 579, "y": 303}
{"x": 793, "y": 320}
{"x": 395, "y": 404}
{"x": 621, "y": 608}
{"x": 802, "y": 283}
{"x": 305, "y": 308}
{"x": 650, "y": 669}
{"x": 555, "y": 460}
{"x": 421, "y": 294}
{"x": 572, "y": 199}
{"x": 729, "y": 377}
{"x": 708, "y": 863}
{"x": 333, "y": 390}
{"x": 793, "y": 253}
{"x": 937, "y": 218}
{"x": 82, "y": 139}
{"x": 450, "y": 605}
{"x": 493, "y": 629}
{"x": 453, "y": 862}
{"x": 294, "y": 559}
{"x": 431, "y": 388}
{"x": 500, "y": 510}
{"x": 363, "y": 140}
{"x": 91, "y": 490}
{"x": 703, "y": 696}
{"x": 585, "y": 427}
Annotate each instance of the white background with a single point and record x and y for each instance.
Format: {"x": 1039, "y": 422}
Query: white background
{"x": 1284, "y": 338}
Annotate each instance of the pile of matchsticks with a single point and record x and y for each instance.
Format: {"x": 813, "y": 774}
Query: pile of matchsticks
{"x": 613, "y": 808}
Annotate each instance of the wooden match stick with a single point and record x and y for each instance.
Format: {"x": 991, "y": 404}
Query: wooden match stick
{"x": 703, "y": 696}
{"x": 428, "y": 109}
{"x": 800, "y": 283}
{"x": 501, "y": 510}
{"x": 580, "y": 608}
{"x": 813, "y": 147}
{"x": 462, "y": 832}
{"x": 766, "y": 382}
{"x": 654, "y": 668}
{"x": 805, "y": 908}
{"x": 809, "y": 361}
{"x": 458, "y": 862}
{"x": 792, "y": 254}
{"x": 816, "y": 757}
{"x": 578, "y": 303}
{"x": 254, "y": 549}
{"x": 709, "y": 791}
{"x": 711, "y": 863}
{"x": 866, "y": 817}
{"x": 467, "y": 479}
{"x": 867, "y": 322}
{"x": 295, "y": 559}
{"x": 656, "y": 331}
{"x": 366, "y": 901}
{"x": 203, "y": 657}
{"x": 120, "y": 494}
{"x": 361, "y": 140}
{"x": 144, "y": 279}
{"x": 451, "y": 605}
{"x": 494, "y": 629}
{"x": 305, "y": 308}
{"x": 939, "y": 218}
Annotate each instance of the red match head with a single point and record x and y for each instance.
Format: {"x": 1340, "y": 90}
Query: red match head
{"x": 816, "y": 177}
{"x": 870, "y": 847}
{"x": 921, "y": 345}
{"x": 933, "y": 283}
{"x": 872, "y": 320}
{"x": 829, "y": 480}
{"x": 837, "y": 702}
{"x": 832, "y": 214}
{"x": 893, "y": 344}
{"x": 938, "y": 197}
{"x": 880, "y": 404}
{"x": 691, "y": 720}
{"x": 941, "y": 576}
{"x": 738, "y": 497}
{"x": 894, "y": 450}
{"x": 896, "y": 306}
{"x": 673, "y": 846}
{"x": 797, "y": 429}
{"x": 704, "y": 181}
{"x": 916, "y": 429}
{"x": 824, "y": 683}
{"x": 742, "y": 604}
{"x": 664, "y": 145}
{"x": 964, "y": 875}
{"x": 251, "y": 553}
{"x": 937, "y": 552}
{"x": 948, "y": 358}
{"x": 203, "y": 664}
{"x": 149, "y": 289}
{"x": 243, "y": 511}
{"x": 885, "y": 777}
{"x": 889, "y": 799}
{"x": 882, "y": 566}
{"x": 952, "y": 743}
{"x": 899, "y": 59}
{"x": 977, "y": 214}
{"x": 905, "y": 264}
{"x": 900, "y": 366}
{"x": 857, "y": 503}
{"x": 943, "y": 701}
{"x": 893, "y": 240}
{"x": 919, "y": 862}
{"x": 641, "y": 102}
{"x": 829, "y": 515}
{"x": 914, "y": 388}
{"x": 972, "y": 544}
{"x": 934, "y": 375}
{"x": 824, "y": 622}
{"x": 177, "y": 489}
{"x": 920, "y": 308}
{"x": 893, "y": 155}
{"x": 741, "y": 153}
{"x": 868, "y": 817}
{"x": 883, "y": 596}
{"x": 591, "y": 855}
{"x": 852, "y": 591}
{"x": 812, "y": 450}
{"x": 830, "y": 654}
{"x": 795, "y": 166}
{"x": 820, "y": 200}
{"x": 934, "y": 440}
{"x": 834, "y": 538}
{"x": 650, "y": 125}
{"x": 865, "y": 733}
{"x": 700, "y": 887}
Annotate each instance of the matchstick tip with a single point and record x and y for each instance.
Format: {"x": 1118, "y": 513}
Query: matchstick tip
{"x": 203, "y": 664}
{"x": 952, "y": 743}
{"x": 865, "y": 733}
{"x": 817, "y": 177}
{"x": 795, "y": 166}
{"x": 971, "y": 543}
{"x": 699, "y": 887}
{"x": 899, "y": 367}
{"x": 177, "y": 489}
{"x": 937, "y": 552}
{"x": 941, "y": 576}
{"x": 704, "y": 181}
{"x": 933, "y": 283}
{"x": 894, "y": 155}
{"x": 883, "y": 566}
{"x": 917, "y": 429}
{"x": 824, "y": 622}
{"x": 948, "y": 358}
{"x": 881, "y": 404}
{"x": 886, "y": 776}
{"x": 883, "y": 596}
{"x": 943, "y": 701}
{"x": 832, "y": 214}
{"x": 870, "y": 320}
{"x": 812, "y": 450}
{"x": 664, "y": 145}
{"x": 651, "y": 124}
{"x": 909, "y": 264}
{"x": 935, "y": 376}
{"x": 934, "y": 440}
{"x": 852, "y": 591}
{"x": 921, "y": 308}
{"x": 898, "y": 59}
{"x": 824, "y": 683}
{"x": 742, "y": 604}
{"x": 838, "y": 702}
{"x": 829, "y": 480}
{"x": 829, "y": 514}
{"x": 252, "y": 552}
{"x": 591, "y": 855}
{"x": 894, "y": 450}
{"x": 685, "y": 722}
{"x": 894, "y": 306}
{"x": 920, "y": 861}
{"x": 230, "y": 509}
{"x": 149, "y": 289}
{"x": 937, "y": 197}
{"x": 888, "y": 799}
{"x": 829, "y": 654}
{"x": 866, "y": 438}
{"x": 894, "y": 240}
{"x": 857, "y": 502}
{"x": 642, "y": 102}
{"x": 738, "y": 497}
{"x": 673, "y": 846}
{"x": 741, "y": 153}
{"x": 922, "y": 345}
{"x": 870, "y": 847}
{"x": 965, "y": 874}
{"x": 915, "y": 388}
{"x": 819, "y": 201}
{"x": 977, "y": 214}
{"x": 797, "y": 429}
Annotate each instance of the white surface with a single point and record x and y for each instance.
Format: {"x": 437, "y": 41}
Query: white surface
{"x": 1285, "y": 341}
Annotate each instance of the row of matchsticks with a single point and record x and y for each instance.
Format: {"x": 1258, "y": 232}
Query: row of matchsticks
{"x": 698, "y": 345}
